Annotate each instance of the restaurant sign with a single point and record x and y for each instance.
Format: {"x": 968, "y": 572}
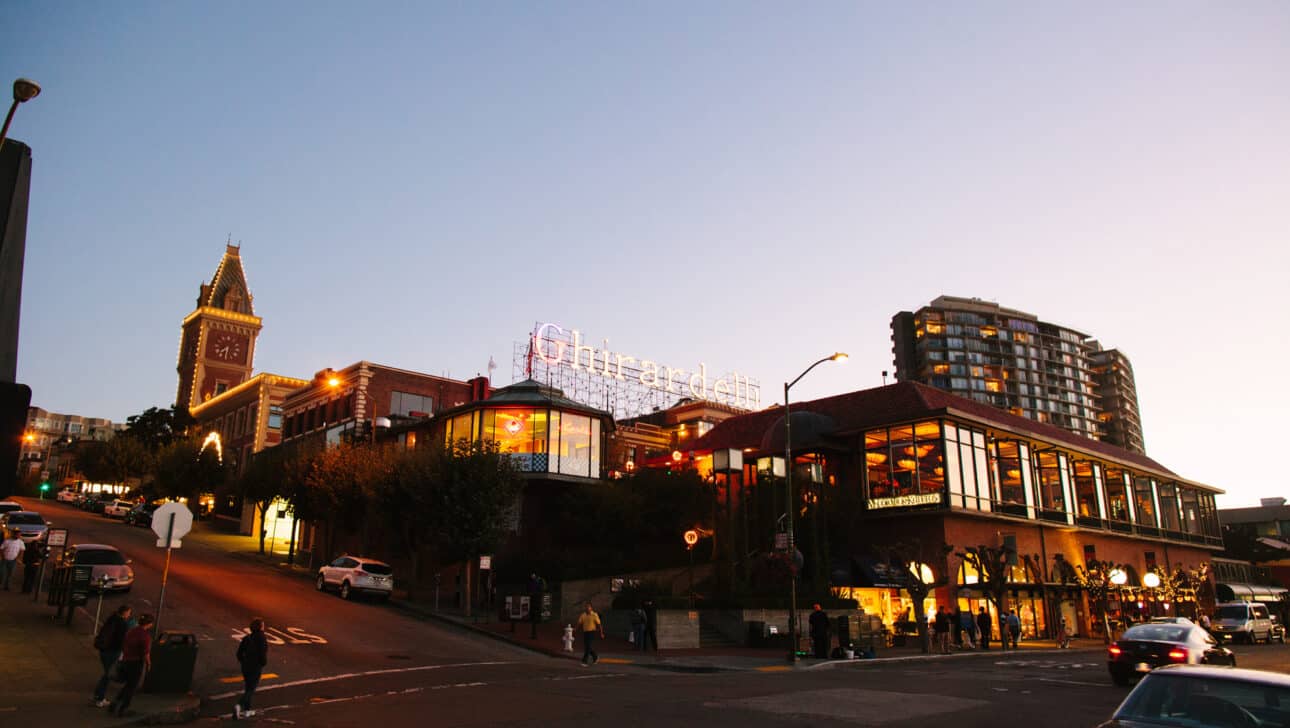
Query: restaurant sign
{"x": 900, "y": 501}
{"x": 553, "y": 346}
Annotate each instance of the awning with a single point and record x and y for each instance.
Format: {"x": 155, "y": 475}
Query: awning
{"x": 1249, "y": 593}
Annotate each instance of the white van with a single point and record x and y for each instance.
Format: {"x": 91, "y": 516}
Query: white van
{"x": 1243, "y": 621}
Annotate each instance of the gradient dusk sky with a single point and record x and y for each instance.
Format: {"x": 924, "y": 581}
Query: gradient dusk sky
{"x": 751, "y": 185}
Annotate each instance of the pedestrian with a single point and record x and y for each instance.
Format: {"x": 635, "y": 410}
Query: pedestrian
{"x": 253, "y": 655}
{"x": 136, "y": 659}
{"x": 109, "y": 641}
{"x": 983, "y": 625}
{"x": 956, "y": 627}
{"x": 651, "y": 624}
{"x": 943, "y": 630}
{"x": 10, "y": 549}
{"x": 638, "y": 628}
{"x": 1063, "y": 636}
{"x": 1205, "y": 624}
{"x": 968, "y": 627}
{"x": 31, "y": 559}
{"x": 819, "y": 623}
{"x": 1014, "y": 628}
{"x": 589, "y": 624}
{"x": 535, "y": 589}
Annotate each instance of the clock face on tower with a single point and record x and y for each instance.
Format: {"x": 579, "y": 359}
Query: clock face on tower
{"x": 227, "y": 346}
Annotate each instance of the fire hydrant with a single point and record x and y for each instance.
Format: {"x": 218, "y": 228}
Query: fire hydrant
{"x": 568, "y": 638}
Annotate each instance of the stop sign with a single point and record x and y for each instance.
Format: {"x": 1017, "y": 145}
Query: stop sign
{"x": 161, "y": 523}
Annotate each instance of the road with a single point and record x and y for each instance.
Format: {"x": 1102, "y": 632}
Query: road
{"x": 337, "y": 663}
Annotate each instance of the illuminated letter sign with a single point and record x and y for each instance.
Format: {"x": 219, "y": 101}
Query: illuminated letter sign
{"x": 900, "y": 501}
{"x": 552, "y": 345}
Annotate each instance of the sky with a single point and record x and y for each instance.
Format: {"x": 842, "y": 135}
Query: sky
{"x": 751, "y": 185}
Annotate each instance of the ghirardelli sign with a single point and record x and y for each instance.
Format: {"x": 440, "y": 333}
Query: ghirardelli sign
{"x": 557, "y": 347}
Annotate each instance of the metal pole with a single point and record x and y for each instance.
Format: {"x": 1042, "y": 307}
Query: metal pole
{"x": 792, "y": 548}
{"x": 165, "y": 572}
{"x": 98, "y": 611}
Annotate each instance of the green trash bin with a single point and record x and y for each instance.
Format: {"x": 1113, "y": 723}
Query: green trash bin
{"x": 174, "y": 656}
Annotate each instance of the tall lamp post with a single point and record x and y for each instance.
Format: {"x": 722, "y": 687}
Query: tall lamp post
{"x": 24, "y": 90}
{"x": 792, "y": 505}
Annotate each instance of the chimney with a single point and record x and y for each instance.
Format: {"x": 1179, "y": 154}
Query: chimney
{"x": 1272, "y": 502}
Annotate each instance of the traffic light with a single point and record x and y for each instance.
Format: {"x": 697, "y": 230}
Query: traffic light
{"x": 44, "y": 488}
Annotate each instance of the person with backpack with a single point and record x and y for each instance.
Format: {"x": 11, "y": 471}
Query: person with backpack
{"x": 136, "y": 659}
{"x": 109, "y": 641}
{"x": 253, "y": 655}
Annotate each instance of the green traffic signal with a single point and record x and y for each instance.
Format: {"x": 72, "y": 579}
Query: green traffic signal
{"x": 44, "y": 487}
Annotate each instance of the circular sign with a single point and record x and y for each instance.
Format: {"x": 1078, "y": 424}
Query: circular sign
{"x": 691, "y": 537}
{"x": 161, "y": 523}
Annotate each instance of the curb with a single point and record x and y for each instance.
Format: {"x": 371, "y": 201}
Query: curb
{"x": 958, "y": 655}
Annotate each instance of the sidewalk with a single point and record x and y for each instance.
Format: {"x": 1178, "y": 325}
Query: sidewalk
{"x": 49, "y": 670}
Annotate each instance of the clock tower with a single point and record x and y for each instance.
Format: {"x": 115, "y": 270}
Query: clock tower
{"x": 217, "y": 346}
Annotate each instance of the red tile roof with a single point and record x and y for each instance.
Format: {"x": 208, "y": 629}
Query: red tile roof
{"x": 905, "y": 402}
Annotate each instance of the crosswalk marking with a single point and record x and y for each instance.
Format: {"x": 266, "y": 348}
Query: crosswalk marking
{"x": 265, "y": 676}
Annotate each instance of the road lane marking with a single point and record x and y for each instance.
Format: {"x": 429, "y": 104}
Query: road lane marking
{"x": 773, "y": 668}
{"x": 265, "y": 676}
{"x": 1071, "y": 682}
{"x": 367, "y": 673}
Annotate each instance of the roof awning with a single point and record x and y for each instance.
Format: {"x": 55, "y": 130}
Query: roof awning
{"x": 1249, "y": 593}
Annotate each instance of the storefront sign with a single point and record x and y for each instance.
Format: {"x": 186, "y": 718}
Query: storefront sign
{"x": 901, "y": 501}
{"x": 553, "y": 346}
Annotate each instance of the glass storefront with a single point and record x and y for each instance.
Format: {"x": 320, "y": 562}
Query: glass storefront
{"x": 538, "y": 440}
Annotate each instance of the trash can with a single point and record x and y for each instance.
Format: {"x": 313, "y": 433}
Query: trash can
{"x": 174, "y": 656}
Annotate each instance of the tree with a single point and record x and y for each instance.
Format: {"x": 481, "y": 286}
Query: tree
{"x": 994, "y": 572}
{"x": 156, "y": 428}
{"x": 343, "y": 480}
{"x": 185, "y": 469}
{"x": 114, "y": 461}
{"x": 1095, "y": 578}
{"x": 908, "y": 559}
{"x": 474, "y": 498}
{"x": 405, "y": 504}
{"x": 261, "y": 483}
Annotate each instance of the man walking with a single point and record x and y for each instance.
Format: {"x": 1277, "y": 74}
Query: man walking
{"x": 253, "y": 655}
{"x": 589, "y": 624}
{"x": 983, "y": 626}
{"x": 1014, "y": 628}
{"x": 109, "y": 641}
{"x": 651, "y": 624}
{"x": 10, "y": 549}
{"x": 819, "y": 622}
{"x": 31, "y": 559}
{"x": 136, "y": 658}
{"x": 638, "y": 628}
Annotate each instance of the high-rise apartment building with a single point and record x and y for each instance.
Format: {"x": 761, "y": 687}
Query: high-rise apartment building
{"x": 1012, "y": 360}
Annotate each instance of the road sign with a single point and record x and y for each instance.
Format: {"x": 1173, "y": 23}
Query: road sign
{"x": 56, "y": 537}
{"x": 161, "y": 524}
{"x": 485, "y": 563}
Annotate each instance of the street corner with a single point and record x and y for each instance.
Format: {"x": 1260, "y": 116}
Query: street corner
{"x": 151, "y": 709}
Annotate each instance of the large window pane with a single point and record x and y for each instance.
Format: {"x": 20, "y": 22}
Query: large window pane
{"x": 595, "y": 448}
{"x": 877, "y": 457}
{"x": 904, "y": 467}
{"x": 1117, "y": 499}
{"x": 1086, "y": 500}
{"x": 1012, "y": 488}
{"x": 1049, "y": 481}
{"x": 553, "y": 463}
{"x": 1169, "y": 517}
{"x": 575, "y": 444}
{"x": 929, "y": 450}
{"x": 1191, "y": 511}
{"x": 1144, "y": 502}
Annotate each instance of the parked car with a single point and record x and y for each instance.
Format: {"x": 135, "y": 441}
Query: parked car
{"x": 1171, "y": 620}
{"x": 30, "y": 525}
{"x": 1145, "y": 647}
{"x": 1243, "y": 621}
{"x": 117, "y": 508}
{"x": 66, "y": 495}
{"x": 350, "y": 574}
{"x": 1195, "y": 696}
{"x": 1278, "y": 630}
{"x": 111, "y": 570}
{"x": 7, "y": 506}
{"x": 141, "y": 515}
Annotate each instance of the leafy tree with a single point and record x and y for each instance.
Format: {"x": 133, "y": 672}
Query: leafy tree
{"x": 156, "y": 428}
{"x": 907, "y": 558}
{"x": 262, "y": 482}
{"x": 994, "y": 572}
{"x": 343, "y": 480}
{"x": 308, "y": 503}
{"x": 1095, "y": 578}
{"x": 114, "y": 461}
{"x": 405, "y": 503}
{"x": 184, "y": 469}
{"x": 473, "y": 499}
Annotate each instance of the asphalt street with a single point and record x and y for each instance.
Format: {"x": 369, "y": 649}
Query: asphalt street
{"x": 337, "y": 663}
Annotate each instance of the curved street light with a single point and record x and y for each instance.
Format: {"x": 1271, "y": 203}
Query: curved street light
{"x": 24, "y": 90}
{"x": 792, "y": 505}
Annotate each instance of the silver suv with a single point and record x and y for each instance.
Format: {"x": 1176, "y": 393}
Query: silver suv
{"x": 1242, "y": 621}
{"x": 350, "y": 574}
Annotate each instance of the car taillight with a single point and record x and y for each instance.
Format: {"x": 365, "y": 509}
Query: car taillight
{"x": 1178, "y": 655}
{"x": 1114, "y": 650}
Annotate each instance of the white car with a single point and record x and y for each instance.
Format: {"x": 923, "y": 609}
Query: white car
{"x": 29, "y": 524}
{"x": 8, "y": 506}
{"x": 66, "y": 495}
{"x": 111, "y": 570}
{"x": 117, "y": 508}
{"x": 350, "y": 574}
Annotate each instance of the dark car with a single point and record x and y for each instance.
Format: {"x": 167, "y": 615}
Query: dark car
{"x": 1194, "y": 695}
{"x": 1145, "y": 647}
{"x": 141, "y": 515}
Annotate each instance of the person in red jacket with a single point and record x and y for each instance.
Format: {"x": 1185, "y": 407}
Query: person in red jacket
{"x": 136, "y": 658}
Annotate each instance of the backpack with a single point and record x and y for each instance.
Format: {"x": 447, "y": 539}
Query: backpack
{"x": 243, "y": 647}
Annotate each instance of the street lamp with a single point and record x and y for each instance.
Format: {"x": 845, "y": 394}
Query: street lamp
{"x": 24, "y": 90}
{"x": 1151, "y": 580}
{"x": 792, "y": 504}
